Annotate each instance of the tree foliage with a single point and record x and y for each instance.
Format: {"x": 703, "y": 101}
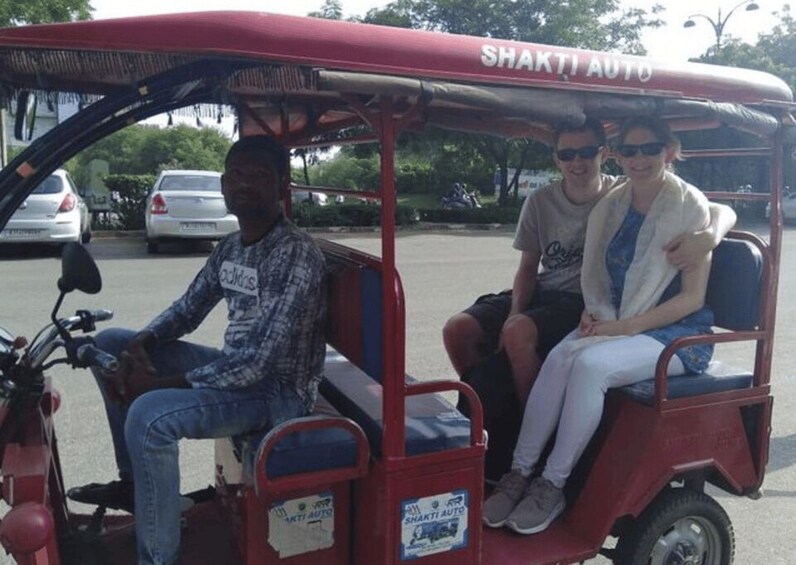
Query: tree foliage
{"x": 140, "y": 149}
{"x": 130, "y": 203}
{"x": 331, "y": 10}
{"x": 19, "y": 12}
{"x": 779, "y": 47}
{"x": 593, "y": 24}
{"x": 774, "y": 53}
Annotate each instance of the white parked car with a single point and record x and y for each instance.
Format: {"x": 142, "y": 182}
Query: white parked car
{"x": 788, "y": 206}
{"x": 302, "y": 196}
{"x": 53, "y": 213}
{"x": 187, "y": 205}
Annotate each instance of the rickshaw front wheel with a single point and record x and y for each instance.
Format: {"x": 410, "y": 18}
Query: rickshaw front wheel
{"x": 681, "y": 527}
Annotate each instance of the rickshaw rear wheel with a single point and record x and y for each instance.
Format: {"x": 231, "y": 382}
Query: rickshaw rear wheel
{"x": 681, "y": 527}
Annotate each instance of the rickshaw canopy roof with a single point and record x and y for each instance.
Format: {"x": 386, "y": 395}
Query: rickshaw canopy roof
{"x": 301, "y": 77}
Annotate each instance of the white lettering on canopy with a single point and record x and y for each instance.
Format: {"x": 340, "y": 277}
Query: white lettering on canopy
{"x": 609, "y": 67}
{"x": 526, "y": 60}
{"x": 543, "y": 60}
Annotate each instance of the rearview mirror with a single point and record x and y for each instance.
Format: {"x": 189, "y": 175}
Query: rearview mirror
{"x": 78, "y": 270}
{"x": 25, "y": 118}
{"x": 5, "y": 337}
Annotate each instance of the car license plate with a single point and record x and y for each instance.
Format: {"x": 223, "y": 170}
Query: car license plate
{"x": 198, "y": 226}
{"x": 19, "y": 234}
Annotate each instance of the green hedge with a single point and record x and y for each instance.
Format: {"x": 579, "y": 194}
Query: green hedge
{"x": 130, "y": 205}
{"x": 349, "y": 215}
{"x": 132, "y": 190}
{"x": 486, "y": 215}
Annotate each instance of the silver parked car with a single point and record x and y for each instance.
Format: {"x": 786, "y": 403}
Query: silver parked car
{"x": 304, "y": 197}
{"x": 53, "y": 213}
{"x": 187, "y": 205}
{"x": 788, "y": 206}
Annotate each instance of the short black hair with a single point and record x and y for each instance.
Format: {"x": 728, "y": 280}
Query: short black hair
{"x": 269, "y": 147}
{"x": 589, "y": 124}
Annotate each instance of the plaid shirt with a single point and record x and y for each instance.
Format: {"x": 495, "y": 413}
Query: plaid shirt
{"x": 276, "y": 298}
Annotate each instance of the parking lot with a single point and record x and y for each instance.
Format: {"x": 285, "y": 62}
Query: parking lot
{"x": 442, "y": 272}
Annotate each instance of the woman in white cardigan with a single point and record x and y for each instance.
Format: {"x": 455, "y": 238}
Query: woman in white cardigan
{"x": 636, "y": 303}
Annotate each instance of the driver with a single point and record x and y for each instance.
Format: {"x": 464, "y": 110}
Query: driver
{"x": 271, "y": 276}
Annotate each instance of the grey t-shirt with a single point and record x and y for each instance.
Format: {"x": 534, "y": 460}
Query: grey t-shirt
{"x": 555, "y": 227}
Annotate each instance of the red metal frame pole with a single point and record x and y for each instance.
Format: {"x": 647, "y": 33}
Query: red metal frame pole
{"x": 393, "y": 373}
{"x": 765, "y": 348}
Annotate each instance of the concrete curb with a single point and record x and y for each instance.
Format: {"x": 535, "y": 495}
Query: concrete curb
{"x": 419, "y": 227}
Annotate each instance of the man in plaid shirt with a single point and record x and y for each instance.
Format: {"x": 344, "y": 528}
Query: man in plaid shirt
{"x": 271, "y": 276}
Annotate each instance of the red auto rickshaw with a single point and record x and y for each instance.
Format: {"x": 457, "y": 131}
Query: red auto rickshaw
{"x": 387, "y": 470}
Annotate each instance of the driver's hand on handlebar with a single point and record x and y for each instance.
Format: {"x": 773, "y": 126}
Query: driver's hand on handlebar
{"x": 136, "y": 374}
{"x": 130, "y": 381}
{"x": 139, "y": 376}
{"x": 137, "y": 349}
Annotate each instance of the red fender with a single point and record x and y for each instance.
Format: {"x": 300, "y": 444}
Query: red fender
{"x": 27, "y": 528}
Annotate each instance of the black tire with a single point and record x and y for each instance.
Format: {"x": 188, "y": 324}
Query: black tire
{"x": 85, "y": 237}
{"x": 680, "y": 526}
{"x": 151, "y": 247}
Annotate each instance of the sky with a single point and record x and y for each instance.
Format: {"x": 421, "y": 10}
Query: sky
{"x": 670, "y": 42}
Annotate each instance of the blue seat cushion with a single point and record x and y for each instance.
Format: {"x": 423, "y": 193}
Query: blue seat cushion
{"x": 432, "y": 423}
{"x": 718, "y": 378}
{"x": 302, "y": 452}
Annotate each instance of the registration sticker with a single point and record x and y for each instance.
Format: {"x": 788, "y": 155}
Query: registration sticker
{"x": 434, "y": 524}
{"x": 301, "y": 525}
{"x": 197, "y": 226}
{"x": 18, "y": 234}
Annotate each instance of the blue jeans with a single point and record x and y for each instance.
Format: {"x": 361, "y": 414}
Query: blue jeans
{"x": 146, "y": 433}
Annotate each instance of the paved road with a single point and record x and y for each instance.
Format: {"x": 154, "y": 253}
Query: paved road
{"x": 441, "y": 272}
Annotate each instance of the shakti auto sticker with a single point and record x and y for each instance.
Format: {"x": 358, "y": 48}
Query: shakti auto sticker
{"x": 301, "y": 525}
{"x": 434, "y": 524}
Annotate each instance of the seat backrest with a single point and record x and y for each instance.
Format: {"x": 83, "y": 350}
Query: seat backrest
{"x": 354, "y": 316}
{"x": 735, "y": 285}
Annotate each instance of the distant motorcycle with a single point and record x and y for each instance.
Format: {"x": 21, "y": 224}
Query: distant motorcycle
{"x": 749, "y": 209}
{"x": 459, "y": 198}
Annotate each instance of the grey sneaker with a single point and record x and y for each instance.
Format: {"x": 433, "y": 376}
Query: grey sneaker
{"x": 507, "y": 493}
{"x": 542, "y": 504}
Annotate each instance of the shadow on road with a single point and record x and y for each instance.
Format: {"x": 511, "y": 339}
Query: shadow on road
{"x": 110, "y": 248}
{"x": 21, "y": 251}
{"x": 782, "y": 453}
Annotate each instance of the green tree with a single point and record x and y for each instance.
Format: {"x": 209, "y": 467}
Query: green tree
{"x": 774, "y": 53}
{"x": 147, "y": 149}
{"x": 331, "y": 10}
{"x": 347, "y": 171}
{"x": 130, "y": 208}
{"x": 591, "y": 24}
{"x": 19, "y": 12}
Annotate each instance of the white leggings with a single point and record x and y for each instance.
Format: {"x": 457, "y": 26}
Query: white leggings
{"x": 570, "y": 393}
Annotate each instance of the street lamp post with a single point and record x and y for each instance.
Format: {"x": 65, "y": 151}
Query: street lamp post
{"x": 719, "y": 23}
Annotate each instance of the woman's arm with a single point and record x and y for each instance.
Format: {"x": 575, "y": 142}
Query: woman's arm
{"x": 690, "y": 299}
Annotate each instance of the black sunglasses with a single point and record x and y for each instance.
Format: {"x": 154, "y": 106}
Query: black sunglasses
{"x": 588, "y": 152}
{"x": 648, "y": 149}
